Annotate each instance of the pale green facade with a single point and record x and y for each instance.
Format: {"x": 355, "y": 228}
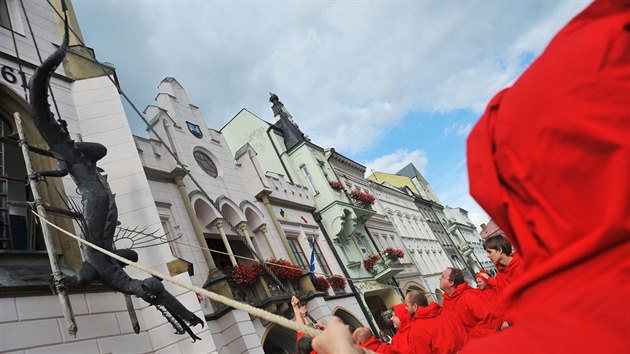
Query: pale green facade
{"x": 340, "y": 217}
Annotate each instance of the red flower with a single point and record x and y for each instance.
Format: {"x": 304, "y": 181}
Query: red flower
{"x": 245, "y": 274}
{"x": 285, "y": 269}
{"x": 336, "y": 185}
{"x": 371, "y": 261}
{"x": 362, "y": 197}
{"x": 322, "y": 284}
{"x": 393, "y": 253}
{"x": 337, "y": 282}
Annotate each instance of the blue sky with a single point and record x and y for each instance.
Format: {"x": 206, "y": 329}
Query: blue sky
{"x": 384, "y": 82}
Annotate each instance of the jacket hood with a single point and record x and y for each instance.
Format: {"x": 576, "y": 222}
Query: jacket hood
{"x": 514, "y": 263}
{"x": 401, "y": 312}
{"x": 432, "y": 310}
{"x": 557, "y": 136}
{"x": 458, "y": 291}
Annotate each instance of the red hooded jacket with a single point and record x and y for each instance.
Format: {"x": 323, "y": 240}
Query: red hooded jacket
{"x": 401, "y": 339}
{"x": 474, "y": 313}
{"x": 507, "y": 274}
{"x": 550, "y": 163}
{"x": 434, "y": 331}
{"x": 489, "y": 294}
{"x": 374, "y": 344}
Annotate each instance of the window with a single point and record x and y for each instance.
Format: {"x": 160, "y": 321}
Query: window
{"x": 10, "y": 16}
{"x": 4, "y": 15}
{"x": 309, "y": 179}
{"x": 298, "y": 253}
{"x": 321, "y": 260}
{"x": 18, "y": 229}
{"x": 424, "y": 268}
{"x": 205, "y": 163}
{"x": 361, "y": 245}
{"x": 379, "y": 241}
{"x": 170, "y": 236}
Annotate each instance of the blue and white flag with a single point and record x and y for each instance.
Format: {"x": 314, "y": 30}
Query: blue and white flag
{"x": 311, "y": 275}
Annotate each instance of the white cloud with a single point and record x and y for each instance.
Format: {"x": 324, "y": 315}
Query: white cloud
{"x": 458, "y": 129}
{"x": 395, "y": 161}
{"x": 347, "y": 71}
{"x": 339, "y": 67}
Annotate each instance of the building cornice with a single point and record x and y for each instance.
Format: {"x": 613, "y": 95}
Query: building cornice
{"x": 336, "y": 157}
{"x": 290, "y": 204}
{"x": 158, "y": 175}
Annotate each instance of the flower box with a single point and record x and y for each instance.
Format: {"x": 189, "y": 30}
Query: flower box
{"x": 245, "y": 274}
{"x": 370, "y": 262}
{"x": 321, "y": 284}
{"x": 337, "y": 282}
{"x": 363, "y": 198}
{"x": 393, "y": 253}
{"x": 336, "y": 185}
{"x": 284, "y": 269}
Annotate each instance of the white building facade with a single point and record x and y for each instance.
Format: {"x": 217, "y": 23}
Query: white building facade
{"x": 421, "y": 245}
{"x": 461, "y": 227}
{"x": 226, "y": 203}
{"x": 84, "y": 96}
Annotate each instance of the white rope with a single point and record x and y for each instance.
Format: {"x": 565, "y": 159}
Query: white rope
{"x": 268, "y": 316}
{"x": 288, "y": 267}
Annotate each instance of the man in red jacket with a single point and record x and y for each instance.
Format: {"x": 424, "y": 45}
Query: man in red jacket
{"x": 466, "y": 304}
{"x": 364, "y": 338}
{"x": 432, "y": 330}
{"x": 550, "y": 162}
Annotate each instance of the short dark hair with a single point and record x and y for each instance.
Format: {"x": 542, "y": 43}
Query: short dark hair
{"x": 304, "y": 345}
{"x": 418, "y": 298}
{"x": 457, "y": 276}
{"x": 499, "y": 243}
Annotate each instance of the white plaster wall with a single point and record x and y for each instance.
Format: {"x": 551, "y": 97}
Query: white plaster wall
{"x": 235, "y": 333}
{"x": 42, "y": 21}
{"x": 35, "y": 324}
{"x": 92, "y": 109}
{"x": 245, "y": 127}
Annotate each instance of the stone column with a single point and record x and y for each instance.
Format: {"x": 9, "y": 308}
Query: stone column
{"x": 283, "y": 237}
{"x": 243, "y": 227}
{"x": 219, "y": 225}
{"x": 217, "y": 281}
{"x": 265, "y": 231}
{"x": 179, "y": 180}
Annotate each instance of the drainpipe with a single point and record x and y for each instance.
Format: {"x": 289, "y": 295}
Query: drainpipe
{"x": 318, "y": 218}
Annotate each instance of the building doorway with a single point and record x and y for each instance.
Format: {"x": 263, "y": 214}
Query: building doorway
{"x": 279, "y": 340}
{"x": 378, "y": 302}
{"x": 347, "y": 318}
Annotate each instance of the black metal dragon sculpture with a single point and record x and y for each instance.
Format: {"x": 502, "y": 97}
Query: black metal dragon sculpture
{"x": 100, "y": 215}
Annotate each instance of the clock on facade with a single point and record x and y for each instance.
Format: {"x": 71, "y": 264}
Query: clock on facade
{"x": 205, "y": 163}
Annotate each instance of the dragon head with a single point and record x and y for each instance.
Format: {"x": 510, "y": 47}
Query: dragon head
{"x": 178, "y": 316}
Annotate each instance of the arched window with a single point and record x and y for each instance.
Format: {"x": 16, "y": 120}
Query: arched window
{"x": 206, "y": 163}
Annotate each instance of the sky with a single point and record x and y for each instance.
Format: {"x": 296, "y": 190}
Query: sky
{"x": 385, "y": 83}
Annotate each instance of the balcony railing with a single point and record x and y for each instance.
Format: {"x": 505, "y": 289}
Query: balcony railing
{"x": 249, "y": 293}
{"x": 386, "y": 268}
